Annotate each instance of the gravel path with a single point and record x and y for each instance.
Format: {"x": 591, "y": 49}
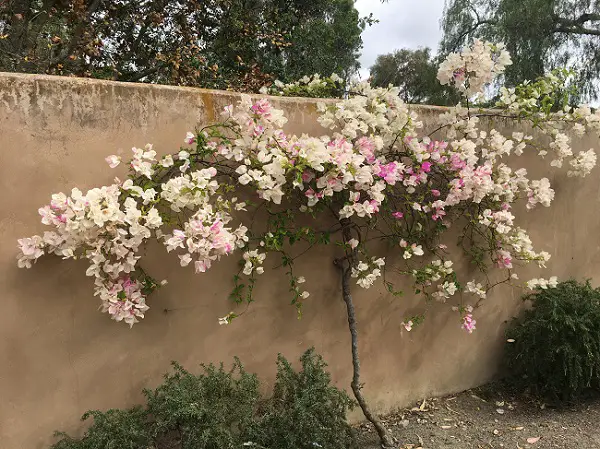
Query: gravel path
{"x": 483, "y": 419}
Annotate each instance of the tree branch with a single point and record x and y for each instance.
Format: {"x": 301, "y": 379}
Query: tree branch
{"x": 587, "y": 17}
{"x": 346, "y": 270}
{"x": 77, "y": 32}
{"x": 575, "y": 26}
{"x": 477, "y": 24}
{"x": 577, "y": 30}
{"x": 133, "y": 77}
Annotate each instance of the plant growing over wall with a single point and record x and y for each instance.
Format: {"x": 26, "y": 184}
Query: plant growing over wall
{"x": 223, "y": 409}
{"x": 315, "y": 86}
{"x": 376, "y": 178}
{"x": 554, "y": 347}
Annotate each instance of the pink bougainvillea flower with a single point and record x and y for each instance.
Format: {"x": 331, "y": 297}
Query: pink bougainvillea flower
{"x": 190, "y": 138}
{"x": 113, "y": 161}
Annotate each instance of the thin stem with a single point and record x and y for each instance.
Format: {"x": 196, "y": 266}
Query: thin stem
{"x": 345, "y": 269}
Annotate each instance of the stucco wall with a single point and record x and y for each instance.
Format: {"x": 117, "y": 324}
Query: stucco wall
{"x": 60, "y": 357}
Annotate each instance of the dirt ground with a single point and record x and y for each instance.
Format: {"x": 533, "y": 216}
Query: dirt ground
{"x": 484, "y": 418}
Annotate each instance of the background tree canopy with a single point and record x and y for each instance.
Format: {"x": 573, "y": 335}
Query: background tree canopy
{"x": 540, "y": 35}
{"x": 237, "y": 44}
{"x": 415, "y": 72}
{"x": 246, "y": 44}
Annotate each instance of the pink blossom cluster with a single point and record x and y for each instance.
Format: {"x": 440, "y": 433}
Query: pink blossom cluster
{"x": 123, "y": 300}
{"x": 468, "y": 323}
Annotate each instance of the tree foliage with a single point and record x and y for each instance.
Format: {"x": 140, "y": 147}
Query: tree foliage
{"x": 541, "y": 35}
{"x": 415, "y": 73}
{"x": 325, "y": 38}
{"x": 210, "y": 43}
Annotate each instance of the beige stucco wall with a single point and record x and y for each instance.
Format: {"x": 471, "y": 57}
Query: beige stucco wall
{"x": 60, "y": 357}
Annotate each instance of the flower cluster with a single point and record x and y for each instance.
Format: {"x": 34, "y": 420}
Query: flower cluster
{"x": 468, "y": 322}
{"x": 367, "y": 272}
{"x": 444, "y": 291}
{"x": 253, "y": 261}
{"x": 433, "y": 272}
{"x": 314, "y": 86}
{"x": 542, "y": 283}
{"x": 411, "y": 250}
{"x": 123, "y": 299}
{"x": 476, "y": 289}
{"x": 440, "y": 272}
{"x": 106, "y": 230}
{"x": 474, "y": 67}
{"x": 536, "y": 102}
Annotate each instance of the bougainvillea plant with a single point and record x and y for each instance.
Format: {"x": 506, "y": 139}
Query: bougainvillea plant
{"x": 315, "y": 86}
{"x": 375, "y": 178}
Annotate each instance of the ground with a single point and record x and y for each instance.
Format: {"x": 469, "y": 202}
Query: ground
{"x": 485, "y": 418}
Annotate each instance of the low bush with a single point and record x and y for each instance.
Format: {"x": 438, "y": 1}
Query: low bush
{"x": 223, "y": 409}
{"x": 556, "y": 347}
{"x": 206, "y": 411}
{"x": 114, "y": 429}
{"x": 305, "y": 411}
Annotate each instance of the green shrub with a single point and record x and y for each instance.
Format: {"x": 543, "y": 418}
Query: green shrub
{"x": 114, "y": 429}
{"x": 556, "y": 348}
{"x": 209, "y": 410}
{"x": 223, "y": 409}
{"x": 305, "y": 411}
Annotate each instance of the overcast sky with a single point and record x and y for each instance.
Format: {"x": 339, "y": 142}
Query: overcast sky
{"x": 402, "y": 24}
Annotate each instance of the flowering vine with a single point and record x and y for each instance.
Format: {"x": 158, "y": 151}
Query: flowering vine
{"x": 315, "y": 86}
{"x": 376, "y": 177}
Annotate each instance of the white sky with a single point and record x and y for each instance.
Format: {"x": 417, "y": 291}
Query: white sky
{"x": 402, "y": 24}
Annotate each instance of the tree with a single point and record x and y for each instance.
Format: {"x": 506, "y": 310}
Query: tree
{"x": 415, "y": 73}
{"x": 327, "y": 44}
{"x": 213, "y": 43}
{"x": 540, "y": 34}
{"x": 125, "y": 40}
{"x": 376, "y": 179}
